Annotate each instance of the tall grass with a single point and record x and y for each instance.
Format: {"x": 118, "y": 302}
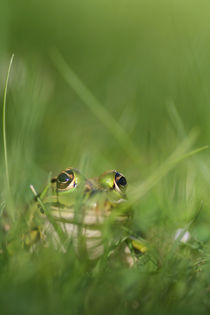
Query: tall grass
{"x": 50, "y": 281}
{"x": 136, "y": 101}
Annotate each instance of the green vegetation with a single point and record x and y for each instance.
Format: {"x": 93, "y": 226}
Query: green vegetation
{"x": 103, "y": 85}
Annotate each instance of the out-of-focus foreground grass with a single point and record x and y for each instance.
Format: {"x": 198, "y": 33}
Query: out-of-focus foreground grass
{"x": 142, "y": 86}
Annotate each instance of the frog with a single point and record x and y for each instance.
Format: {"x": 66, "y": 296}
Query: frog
{"x": 91, "y": 214}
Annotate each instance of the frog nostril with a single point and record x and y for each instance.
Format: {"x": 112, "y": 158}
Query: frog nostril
{"x": 54, "y": 179}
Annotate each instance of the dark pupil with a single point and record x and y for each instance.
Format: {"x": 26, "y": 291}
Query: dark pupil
{"x": 122, "y": 181}
{"x": 63, "y": 178}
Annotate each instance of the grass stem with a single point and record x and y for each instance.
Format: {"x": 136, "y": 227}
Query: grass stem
{"x": 4, "y": 123}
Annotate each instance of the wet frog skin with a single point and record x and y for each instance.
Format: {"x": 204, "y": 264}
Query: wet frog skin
{"x": 88, "y": 212}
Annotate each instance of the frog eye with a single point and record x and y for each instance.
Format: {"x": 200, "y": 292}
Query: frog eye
{"x": 120, "y": 182}
{"x": 113, "y": 180}
{"x": 65, "y": 180}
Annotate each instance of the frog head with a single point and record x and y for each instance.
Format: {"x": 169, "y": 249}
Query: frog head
{"x": 109, "y": 186}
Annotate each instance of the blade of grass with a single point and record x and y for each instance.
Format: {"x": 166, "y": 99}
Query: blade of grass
{"x": 200, "y": 164}
{"x": 4, "y": 124}
{"x": 176, "y": 120}
{"x": 95, "y": 106}
{"x": 62, "y": 236}
{"x": 177, "y": 156}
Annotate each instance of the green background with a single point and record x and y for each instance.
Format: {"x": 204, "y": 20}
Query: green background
{"x": 147, "y": 63}
{"x": 136, "y": 57}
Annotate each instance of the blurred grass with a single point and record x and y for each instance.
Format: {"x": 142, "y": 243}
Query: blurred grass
{"x": 147, "y": 65}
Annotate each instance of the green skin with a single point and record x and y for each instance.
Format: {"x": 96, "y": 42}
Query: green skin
{"x": 91, "y": 212}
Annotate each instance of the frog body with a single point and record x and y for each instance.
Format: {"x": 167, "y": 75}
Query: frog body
{"x": 86, "y": 211}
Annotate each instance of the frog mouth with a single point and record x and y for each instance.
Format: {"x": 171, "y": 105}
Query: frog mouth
{"x": 88, "y": 218}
